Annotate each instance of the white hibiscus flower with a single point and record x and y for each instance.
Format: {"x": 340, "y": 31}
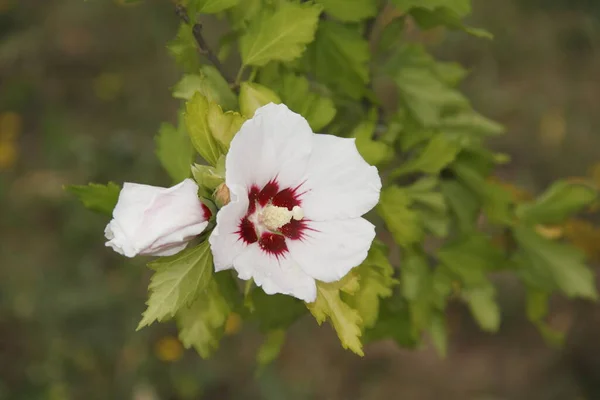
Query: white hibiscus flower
{"x": 156, "y": 221}
{"x": 296, "y": 204}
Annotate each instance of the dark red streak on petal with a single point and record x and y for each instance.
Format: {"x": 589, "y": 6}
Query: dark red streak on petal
{"x": 247, "y": 232}
{"x": 294, "y": 229}
{"x": 206, "y": 211}
{"x": 267, "y": 193}
{"x": 273, "y": 244}
{"x": 252, "y": 199}
{"x": 287, "y": 198}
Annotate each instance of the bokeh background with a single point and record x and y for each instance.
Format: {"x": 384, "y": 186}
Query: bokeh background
{"x": 84, "y": 86}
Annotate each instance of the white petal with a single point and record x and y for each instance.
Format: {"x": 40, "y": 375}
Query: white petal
{"x": 151, "y": 220}
{"x": 225, "y": 242}
{"x": 275, "y": 143}
{"x": 340, "y": 183}
{"x": 330, "y": 249}
{"x": 170, "y": 250}
{"x": 275, "y": 274}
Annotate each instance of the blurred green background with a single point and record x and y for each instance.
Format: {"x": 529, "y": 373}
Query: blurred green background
{"x": 84, "y": 86}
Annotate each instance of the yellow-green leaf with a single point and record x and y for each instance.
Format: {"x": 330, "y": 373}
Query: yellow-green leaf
{"x": 210, "y": 6}
{"x": 402, "y": 221}
{"x": 374, "y": 152}
{"x": 345, "y": 320}
{"x": 339, "y": 58}
{"x": 209, "y": 128}
{"x": 547, "y": 265}
{"x": 97, "y": 197}
{"x": 177, "y": 281}
{"x": 560, "y": 201}
{"x": 376, "y": 281}
{"x": 210, "y": 83}
{"x": 223, "y": 126}
{"x": 254, "y": 96}
{"x": 279, "y": 35}
{"x": 270, "y": 349}
{"x": 174, "y": 150}
{"x": 202, "y": 323}
{"x": 350, "y": 10}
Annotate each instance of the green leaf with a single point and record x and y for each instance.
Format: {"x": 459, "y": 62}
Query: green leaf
{"x": 183, "y": 49}
{"x": 547, "y": 265}
{"x": 196, "y": 120}
{"x": 537, "y": 310}
{"x": 295, "y": 92}
{"x": 463, "y": 202}
{"x": 209, "y": 128}
{"x": 394, "y": 322}
{"x": 276, "y": 311}
{"x": 210, "y": 84}
{"x": 188, "y": 86}
{"x": 439, "y": 333}
{"x": 350, "y": 10}
{"x": 426, "y": 291}
{"x": 177, "y": 282}
{"x": 376, "y": 281}
{"x": 403, "y": 222}
{"x": 431, "y": 13}
{"x": 254, "y": 96}
{"x": 270, "y": 349}
{"x": 208, "y": 177}
{"x": 97, "y": 197}
{"x": 483, "y": 306}
{"x": 424, "y": 95}
{"x": 439, "y": 152}
{"x": 460, "y": 7}
{"x": 443, "y": 16}
{"x": 174, "y": 150}
{"x": 210, "y": 6}
{"x": 339, "y": 58}
{"x": 224, "y": 126}
{"x": 244, "y": 12}
{"x": 471, "y": 123}
{"x": 559, "y": 202}
{"x": 202, "y": 323}
{"x": 450, "y": 73}
{"x": 391, "y": 35}
{"x": 415, "y": 275}
{"x": 471, "y": 258}
{"x": 280, "y": 35}
{"x": 374, "y": 152}
{"x": 496, "y": 201}
{"x": 345, "y": 320}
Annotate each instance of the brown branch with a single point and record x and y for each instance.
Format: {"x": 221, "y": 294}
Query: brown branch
{"x": 203, "y": 47}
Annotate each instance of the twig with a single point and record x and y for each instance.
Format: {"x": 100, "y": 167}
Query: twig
{"x": 203, "y": 47}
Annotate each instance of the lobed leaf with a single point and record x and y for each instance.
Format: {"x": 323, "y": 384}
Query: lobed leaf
{"x": 97, "y": 197}
{"x": 177, "y": 281}
{"x": 279, "y": 35}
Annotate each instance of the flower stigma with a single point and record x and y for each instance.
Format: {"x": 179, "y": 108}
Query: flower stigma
{"x": 274, "y": 217}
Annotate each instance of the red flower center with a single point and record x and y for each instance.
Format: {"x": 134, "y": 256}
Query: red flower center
{"x": 252, "y": 230}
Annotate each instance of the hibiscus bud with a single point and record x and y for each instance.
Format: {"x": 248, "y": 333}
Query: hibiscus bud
{"x": 222, "y": 195}
{"x": 156, "y": 221}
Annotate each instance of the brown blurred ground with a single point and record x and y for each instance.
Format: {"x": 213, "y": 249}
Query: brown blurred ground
{"x": 83, "y": 88}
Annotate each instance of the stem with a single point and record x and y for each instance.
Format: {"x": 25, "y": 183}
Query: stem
{"x": 253, "y": 74}
{"x": 238, "y": 78}
{"x": 203, "y": 47}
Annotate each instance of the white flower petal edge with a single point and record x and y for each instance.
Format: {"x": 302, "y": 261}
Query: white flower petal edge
{"x": 296, "y": 204}
{"x": 275, "y": 274}
{"x": 275, "y": 140}
{"x": 224, "y": 240}
{"x": 150, "y": 220}
{"x": 339, "y": 182}
{"x": 332, "y": 248}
